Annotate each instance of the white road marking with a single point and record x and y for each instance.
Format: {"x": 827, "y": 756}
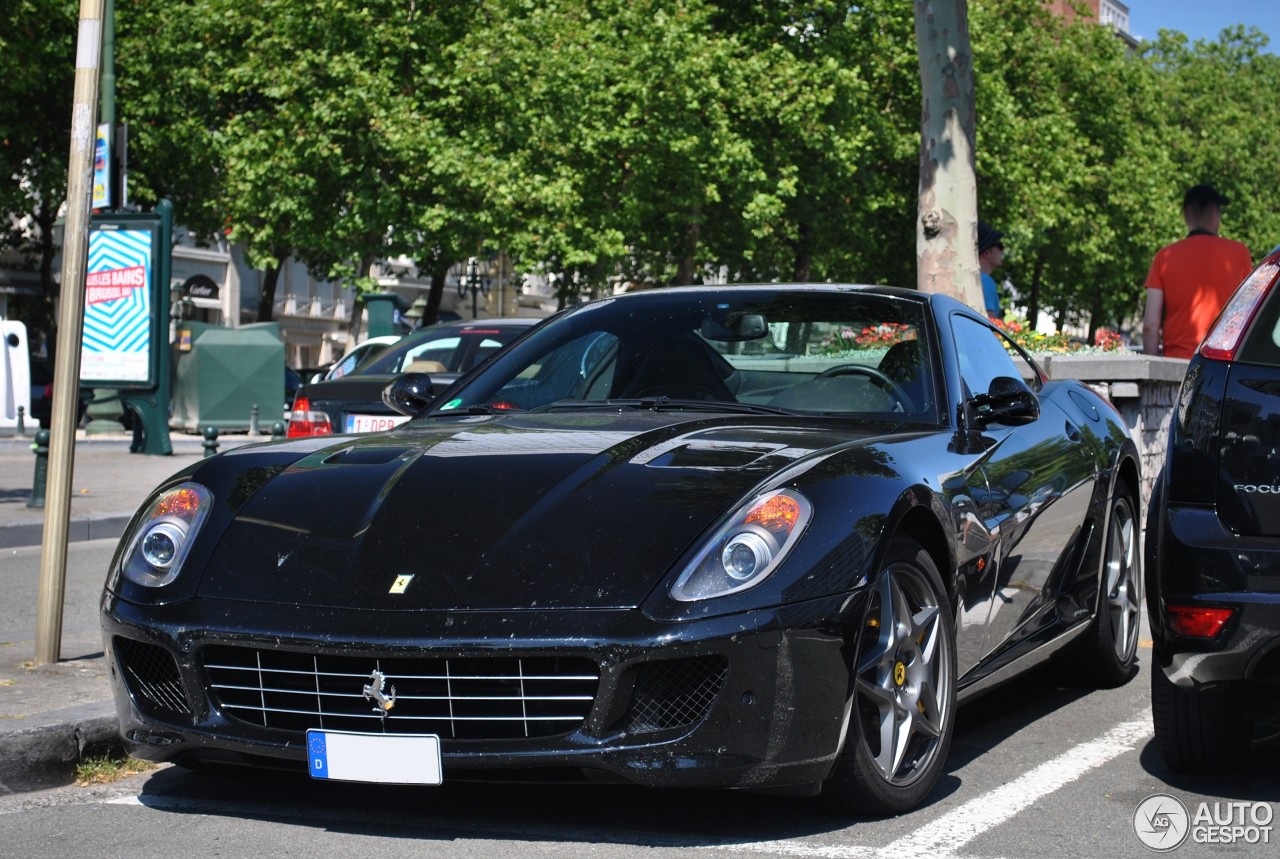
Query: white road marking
{"x": 947, "y": 834}
{"x": 125, "y": 800}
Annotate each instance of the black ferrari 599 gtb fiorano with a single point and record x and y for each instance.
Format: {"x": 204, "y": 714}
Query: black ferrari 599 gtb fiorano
{"x": 738, "y": 537}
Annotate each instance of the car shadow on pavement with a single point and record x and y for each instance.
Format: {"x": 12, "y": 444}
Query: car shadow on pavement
{"x": 460, "y": 811}
{"x": 1255, "y": 781}
{"x": 985, "y": 721}
{"x": 605, "y": 813}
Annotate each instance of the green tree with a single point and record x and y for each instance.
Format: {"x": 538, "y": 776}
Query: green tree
{"x": 599, "y": 136}
{"x": 1219, "y": 98}
{"x": 1069, "y": 153}
{"x": 37, "y": 77}
{"x": 295, "y": 130}
{"x": 803, "y": 108}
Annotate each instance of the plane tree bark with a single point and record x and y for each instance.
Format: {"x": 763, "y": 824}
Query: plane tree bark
{"x": 947, "y": 226}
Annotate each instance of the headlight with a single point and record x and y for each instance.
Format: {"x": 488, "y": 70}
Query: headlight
{"x": 164, "y": 535}
{"x": 746, "y": 550}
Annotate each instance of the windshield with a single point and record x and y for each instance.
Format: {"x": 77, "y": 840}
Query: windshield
{"x": 744, "y": 348}
{"x": 446, "y": 349}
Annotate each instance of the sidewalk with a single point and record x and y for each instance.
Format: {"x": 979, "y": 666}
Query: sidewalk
{"x": 52, "y": 716}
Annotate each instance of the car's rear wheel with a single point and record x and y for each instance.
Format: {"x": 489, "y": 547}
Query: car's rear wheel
{"x": 904, "y": 691}
{"x": 1201, "y": 729}
{"x": 1113, "y": 640}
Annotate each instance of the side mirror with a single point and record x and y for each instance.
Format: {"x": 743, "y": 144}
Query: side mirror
{"x": 1008, "y": 401}
{"x": 409, "y": 393}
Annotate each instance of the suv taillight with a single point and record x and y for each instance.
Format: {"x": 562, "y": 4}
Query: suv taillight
{"x": 304, "y": 422}
{"x": 1197, "y": 621}
{"x": 1228, "y": 331}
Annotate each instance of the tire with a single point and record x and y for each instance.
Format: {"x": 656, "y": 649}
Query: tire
{"x": 1204, "y": 729}
{"x": 903, "y": 705}
{"x": 1112, "y": 642}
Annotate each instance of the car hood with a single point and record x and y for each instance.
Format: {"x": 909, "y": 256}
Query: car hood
{"x": 507, "y": 512}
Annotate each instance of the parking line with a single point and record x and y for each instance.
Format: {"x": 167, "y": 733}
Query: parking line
{"x": 950, "y": 832}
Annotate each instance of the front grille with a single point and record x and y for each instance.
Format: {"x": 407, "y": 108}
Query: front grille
{"x": 675, "y": 693}
{"x": 151, "y": 674}
{"x": 482, "y": 698}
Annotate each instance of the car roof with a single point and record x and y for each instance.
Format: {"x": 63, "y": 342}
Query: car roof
{"x": 938, "y": 301}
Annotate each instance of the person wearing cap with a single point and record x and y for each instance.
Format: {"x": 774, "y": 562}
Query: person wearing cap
{"x": 990, "y": 258}
{"x": 1190, "y": 280}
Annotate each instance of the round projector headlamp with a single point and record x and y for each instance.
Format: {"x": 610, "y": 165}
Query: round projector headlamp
{"x": 161, "y": 544}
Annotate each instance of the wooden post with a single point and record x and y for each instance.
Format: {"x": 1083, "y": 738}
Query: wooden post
{"x": 66, "y": 369}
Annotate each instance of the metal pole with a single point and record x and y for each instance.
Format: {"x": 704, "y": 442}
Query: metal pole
{"x": 108, "y": 76}
{"x": 66, "y": 368}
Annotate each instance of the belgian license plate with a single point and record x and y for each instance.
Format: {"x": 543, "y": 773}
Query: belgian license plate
{"x": 374, "y": 423}
{"x": 381, "y": 758}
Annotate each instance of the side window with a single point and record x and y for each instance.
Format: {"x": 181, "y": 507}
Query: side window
{"x": 983, "y": 354}
{"x": 483, "y": 350}
{"x": 441, "y": 350}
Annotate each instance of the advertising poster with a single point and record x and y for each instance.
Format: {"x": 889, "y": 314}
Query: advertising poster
{"x": 116, "y": 346}
{"x": 102, "y": 169}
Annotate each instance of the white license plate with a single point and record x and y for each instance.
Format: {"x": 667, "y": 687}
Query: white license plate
{"x": 382, "y": 758}
{"x": 374, "y": 423}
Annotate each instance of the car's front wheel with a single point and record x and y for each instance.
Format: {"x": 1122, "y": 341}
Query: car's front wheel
{"x": 1201, "y": 729}
{"x": 904, "y": 691}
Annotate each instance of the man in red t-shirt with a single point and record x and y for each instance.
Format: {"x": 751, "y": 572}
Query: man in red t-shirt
{"x": 1191, "y": 280}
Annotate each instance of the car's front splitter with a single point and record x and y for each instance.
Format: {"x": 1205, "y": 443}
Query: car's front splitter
{"x": 770, "y": 710}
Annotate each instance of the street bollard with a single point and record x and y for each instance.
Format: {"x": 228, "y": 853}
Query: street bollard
{"x": 210, "y": 441}
{"x": 41, "y": 476}
{"x": 253, "y": 420}
{"x": 277, "y": 430}
{"x": 22, "y": 427}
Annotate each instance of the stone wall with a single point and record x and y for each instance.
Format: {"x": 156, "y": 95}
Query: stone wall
{"x": 1143, "y": 388}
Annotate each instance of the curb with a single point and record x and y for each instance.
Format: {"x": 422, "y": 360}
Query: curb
{"x": 93, "y": 528}
{"x": 47, "y": 756}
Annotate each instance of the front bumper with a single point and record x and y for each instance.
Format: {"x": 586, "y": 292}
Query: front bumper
{"x": 772, "y": 714}
{"x": 1193, "y": 560}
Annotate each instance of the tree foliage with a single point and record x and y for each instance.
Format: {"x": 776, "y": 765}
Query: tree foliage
{"x": 37, "y": 76}
{"x": 647, "y": 142}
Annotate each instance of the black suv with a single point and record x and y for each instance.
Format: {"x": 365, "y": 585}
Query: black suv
{"x": 1213, "y": 541}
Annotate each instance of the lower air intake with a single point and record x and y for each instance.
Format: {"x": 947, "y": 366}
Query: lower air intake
{"x": 151, "y": 675}
{"x": 675, "y": 693}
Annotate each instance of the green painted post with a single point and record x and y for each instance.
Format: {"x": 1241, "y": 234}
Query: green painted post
{"x": 41, "y": 476}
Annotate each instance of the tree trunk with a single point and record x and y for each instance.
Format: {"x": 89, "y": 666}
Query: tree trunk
{"x": 1095, "y": 315}
{"x": 689, "y": 250}
{"x": 355, "y": 331}
{"x": 947, "y": 228}
{"x": 802, "y": 263}
{"x": 440, "y": 265}
{"x": 1033, "y": 305}
{"x": 267, "y": 297}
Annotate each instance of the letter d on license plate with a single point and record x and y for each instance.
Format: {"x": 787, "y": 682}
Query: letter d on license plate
{"x": 382, "y": 758}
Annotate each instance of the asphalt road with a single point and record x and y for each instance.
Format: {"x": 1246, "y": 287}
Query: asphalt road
{"x": 1037, "y": 769}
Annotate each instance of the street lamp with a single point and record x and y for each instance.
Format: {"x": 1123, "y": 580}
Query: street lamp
{"x": 473, "y": 282}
